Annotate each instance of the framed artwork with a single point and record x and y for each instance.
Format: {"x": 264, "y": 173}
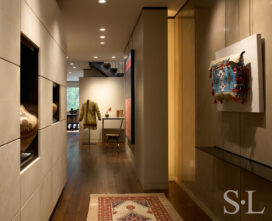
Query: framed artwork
{"x": 130, "y": 97}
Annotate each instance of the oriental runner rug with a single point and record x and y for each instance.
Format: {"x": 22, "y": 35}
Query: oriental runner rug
{"x": 131, "y": 207}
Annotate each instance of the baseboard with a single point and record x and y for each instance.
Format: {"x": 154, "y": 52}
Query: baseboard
{"x": 155, "y": 186}
{"x": 204, "y": 208}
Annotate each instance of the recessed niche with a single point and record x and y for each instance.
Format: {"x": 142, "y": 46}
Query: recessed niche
{"x": 29, "y": 101}
{"x": 56, "y": 102}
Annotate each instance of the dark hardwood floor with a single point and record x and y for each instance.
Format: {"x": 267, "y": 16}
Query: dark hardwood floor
{"x": 94, "y": 169}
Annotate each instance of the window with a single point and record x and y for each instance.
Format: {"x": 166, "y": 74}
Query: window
{"x": 72, "y": 98}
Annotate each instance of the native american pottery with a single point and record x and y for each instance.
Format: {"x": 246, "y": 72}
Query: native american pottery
{"x": 55, "y": 108}
{"x": 28, "y": 128}
{"x": 229, "y": 79}
{"x": 107, "y": 115}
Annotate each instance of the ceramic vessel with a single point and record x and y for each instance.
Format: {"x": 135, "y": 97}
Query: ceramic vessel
{"x": 55, "y": 108}
{"x": 28, "y": 128}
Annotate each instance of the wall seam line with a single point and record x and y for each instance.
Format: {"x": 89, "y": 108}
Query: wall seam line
{"x": 46, "y": 78}
{"x": 62, "y": 49}
{"x": 11, "y": 62}
{"x": 9, "y": 142}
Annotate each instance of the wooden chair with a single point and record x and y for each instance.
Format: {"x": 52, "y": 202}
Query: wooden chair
{"x": 115, "y": 137}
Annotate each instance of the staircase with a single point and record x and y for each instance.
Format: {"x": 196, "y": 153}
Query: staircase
{"x": 109, "y": 69}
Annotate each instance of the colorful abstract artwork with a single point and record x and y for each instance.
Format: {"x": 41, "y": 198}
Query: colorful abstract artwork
{"x": 129, "y": 97}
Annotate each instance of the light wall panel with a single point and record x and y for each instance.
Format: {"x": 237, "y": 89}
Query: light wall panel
{"x": 149, "y": 40}
{"x": 46, "y": 197}
{"x": 30, "y": 180}
{"x": 9, "y": 102}
{"x": 10, "y": 180}
{"x": 171, "y": 99}
{"x": 52, "y": 60}
{"x": 51, "y": 17}
{"x": 30, "y": 25}
{"x": 17, "y": 217}
{"x": 58, "y": 179}
{"x": 256, "y": 140}
{"x": 59, "y": 72}
{"x": 46, "y": 58}
{"x": 45, "y": 150}
{"x": 58, "y": 140}
{"x": 155, "y": 74}
{"x": 10, "y": 30}
{"x": 137, "y": 43}
{"x": 45, "y": 102}
{"x": 49, "y": 14}
{"x": 31, "y": 210}
{"x": 35, "y": 188}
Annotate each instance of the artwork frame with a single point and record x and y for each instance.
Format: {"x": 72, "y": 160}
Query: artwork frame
{"x": 130, "y": 96}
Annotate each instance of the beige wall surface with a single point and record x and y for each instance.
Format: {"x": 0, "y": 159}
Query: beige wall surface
{"x": 181, "y": 94}
{"x": 218, "y": 26}
{"x": 106, "y": 92}
{"x": 171, "y": 99}
{"x": 149, "y": 40}
{"x": 31, "y": 194}
{"x": 219, "y": 23}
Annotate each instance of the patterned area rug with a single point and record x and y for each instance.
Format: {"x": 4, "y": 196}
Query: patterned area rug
{"x": 131, "y": 207}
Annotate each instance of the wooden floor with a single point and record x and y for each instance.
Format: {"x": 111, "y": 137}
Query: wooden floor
{"x": 93, "y": 169}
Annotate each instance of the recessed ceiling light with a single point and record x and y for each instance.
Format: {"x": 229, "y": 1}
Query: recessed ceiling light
{"x": 102, "y": 42}
{"x": 102, "y": 36}
{"x": 113, "y": 57}
{"x": 71, "y": 63}
{"x": 70, "y": 72}
{"x": 102, "y": 1}
{"x": 102, "y": 29}
{"x": 95, "y": 57}
{"x": 67, "y": 57}
{"x": 74, "y": 67}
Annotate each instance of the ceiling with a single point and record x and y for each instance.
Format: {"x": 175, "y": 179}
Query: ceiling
{"x": 83, "y": 18}
{"x": 73, "y": 74}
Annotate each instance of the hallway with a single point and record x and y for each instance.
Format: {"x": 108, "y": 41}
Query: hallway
{"x": 97, "y": 170}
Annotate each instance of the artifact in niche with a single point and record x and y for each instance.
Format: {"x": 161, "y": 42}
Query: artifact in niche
{"x": 28, "y": 128}
{"x": 229, "y": 79}
{"x": 118, "y": 113}
{"x": 55, "y": 108}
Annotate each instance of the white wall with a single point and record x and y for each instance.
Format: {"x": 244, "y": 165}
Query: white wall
{"x": 31, "y": 194}
{"x": 149, "y": 41}
{"x": 107, "y": 92}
